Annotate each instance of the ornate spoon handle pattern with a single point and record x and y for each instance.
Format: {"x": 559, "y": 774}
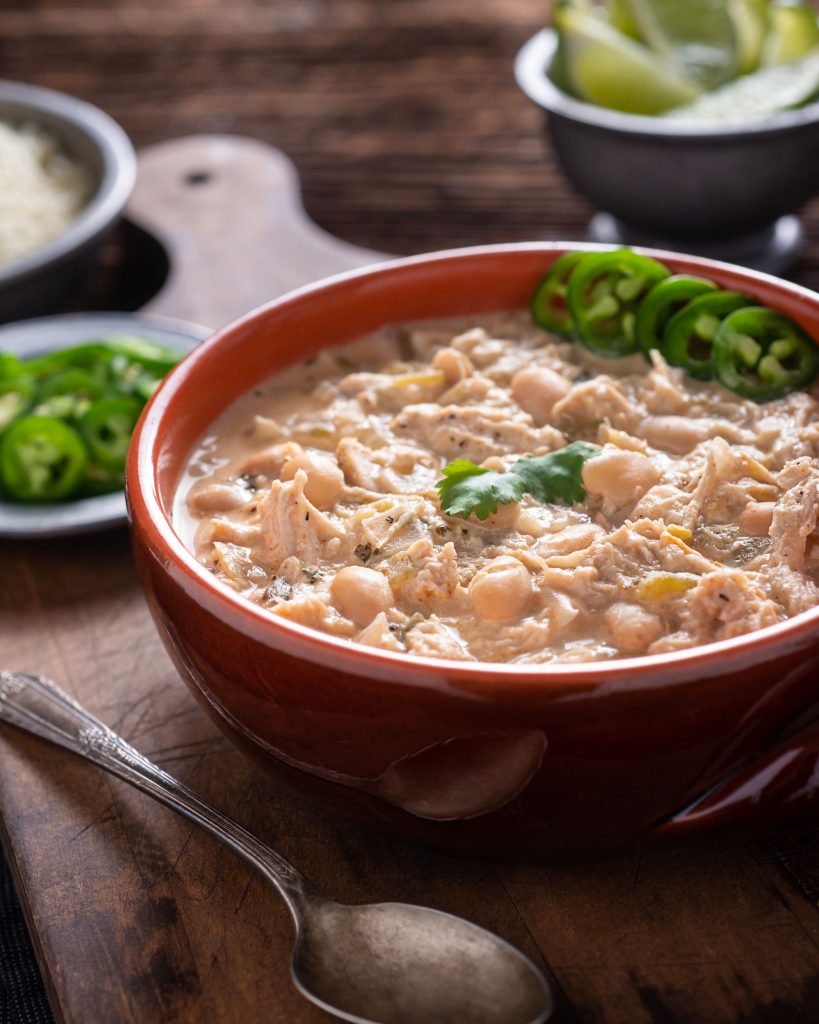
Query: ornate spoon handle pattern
{"x": 39, "y": 706}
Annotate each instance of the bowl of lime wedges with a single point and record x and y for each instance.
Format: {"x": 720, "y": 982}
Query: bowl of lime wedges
{"x": 689, "y": 124}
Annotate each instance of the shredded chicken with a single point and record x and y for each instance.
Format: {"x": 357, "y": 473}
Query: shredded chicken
{"x": 292, "y": 526}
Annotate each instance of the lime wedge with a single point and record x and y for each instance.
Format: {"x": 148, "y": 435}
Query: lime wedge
{"x": 621, "y": 19}
{"x": 605, "y": 67}
{"x": 750, "y": 18}
{"x": 697, "y": 36}
{"x": 757, "y": 96}
{"x": 794, "y": 32}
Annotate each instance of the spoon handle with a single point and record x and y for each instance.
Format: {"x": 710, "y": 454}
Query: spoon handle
{"x": 39, "y": 706}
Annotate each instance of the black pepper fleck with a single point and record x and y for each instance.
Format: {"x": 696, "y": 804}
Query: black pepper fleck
{"x": 364, "y": 552}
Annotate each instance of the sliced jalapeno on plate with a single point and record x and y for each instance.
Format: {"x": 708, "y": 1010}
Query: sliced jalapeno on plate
{"x": 148, "y": 354}
{"x": 107, "y": 427}
{"x": 86, "y": 356}
{"x": 762, "y": 355}
{"x": 549, "y": 309}
{"x": 690, "y": 334}
{"x": 10, "y": 366}
{"x": 64, "y": 407}
{"x": 604, "y": 294}
{"x": 41, "y": 459}
{"x": 663, "y": 301}
{"x": 16, "y": 395}
{"x": 71, "y": 381}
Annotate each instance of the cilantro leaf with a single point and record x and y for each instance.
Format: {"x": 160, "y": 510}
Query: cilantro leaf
{"x": 468, "y": 489}
{"x": 556, "y": 474}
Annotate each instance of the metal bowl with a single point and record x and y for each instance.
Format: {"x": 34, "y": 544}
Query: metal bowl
{"x": 720, "y": 191}
{"x": 39, "y": 282}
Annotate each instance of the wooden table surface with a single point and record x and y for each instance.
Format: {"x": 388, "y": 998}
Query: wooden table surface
{"x": 405, "y": 124}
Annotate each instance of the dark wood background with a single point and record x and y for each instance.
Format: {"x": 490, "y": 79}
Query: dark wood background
{"x": 402, "y": 116}
{"x": 404, "y": 121}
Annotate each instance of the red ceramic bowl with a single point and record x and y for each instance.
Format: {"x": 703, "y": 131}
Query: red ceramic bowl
{"x": 522, "y": 761}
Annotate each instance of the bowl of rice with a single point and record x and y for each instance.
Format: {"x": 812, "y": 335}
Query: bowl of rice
{"x": 66, "y": 172}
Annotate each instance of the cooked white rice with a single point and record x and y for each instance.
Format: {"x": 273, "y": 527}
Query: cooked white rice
{"x": 42, "y": 190}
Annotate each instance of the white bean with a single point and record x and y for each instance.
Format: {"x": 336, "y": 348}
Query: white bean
{"x": 536, "y": 389}
{"x": 217, "y": 497}
{"x": 674, "y": 433}
{"x": 621, "y": 476}
{"x": 360, "y": 593}
{"x": 632, "y": 628}
{"x": 501, "y": 590}
{"x": 325, "y": 481}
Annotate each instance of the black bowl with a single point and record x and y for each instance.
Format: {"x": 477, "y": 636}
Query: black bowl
{"x": 40, "y": 282}
{"x": 718, "y": 191}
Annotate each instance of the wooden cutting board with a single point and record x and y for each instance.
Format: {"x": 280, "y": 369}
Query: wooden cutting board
{"x": 139, "y": 918}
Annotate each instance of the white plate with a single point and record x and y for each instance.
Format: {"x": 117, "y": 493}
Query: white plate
{"x": 29, "y": 338}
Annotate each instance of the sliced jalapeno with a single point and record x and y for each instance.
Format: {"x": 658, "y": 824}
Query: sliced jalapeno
{"x": 663, "y": 301}
{"x": 71, "y": 381}
{"x": 604, "y": 294}
{"x": 148, "y": 354}
{"x": 762, "y": 355}
{"x": 10, "y": 366}
{"x": 41, "y": 459}
{"x": 549, "y": 309}
{"x": 86, "y": 356}
{"x": 64, "y": 407}
{"x": 107, "y": 427}
{"x": 16, "y": 395}
{"x": 145, "y": 385}
{"x": 690, "y": 334}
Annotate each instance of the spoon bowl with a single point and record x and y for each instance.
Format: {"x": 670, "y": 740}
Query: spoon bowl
{"x": 394, "y": 963}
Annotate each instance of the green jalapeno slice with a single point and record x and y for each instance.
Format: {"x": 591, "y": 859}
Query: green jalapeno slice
{"x": 150, "y": 356}
{"x": 16, "y": 395}
{"x": 549, "y": 309}
{"x": 71, "y": 381}
{"x": 664, "y": 301}
{"x": 107, "y": 427}
{"x": 762, "y": 355}
{"x": 41, "y": 459}
{"x": 690, "y": 334}
{"x": 88, "y": 356}
{"x": 10, "y": 366}
{"x": 603, "y": 296}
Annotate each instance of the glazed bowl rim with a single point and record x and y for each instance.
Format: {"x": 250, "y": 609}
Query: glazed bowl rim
{"x": 535, "y": 55}
{"x": 153, "y": 527}
{"x": 119, "y": 169}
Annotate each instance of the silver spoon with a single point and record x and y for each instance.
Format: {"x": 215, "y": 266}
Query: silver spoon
{"x": 379, "y": 963}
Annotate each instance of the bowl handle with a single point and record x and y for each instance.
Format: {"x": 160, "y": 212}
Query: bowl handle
{"x": 779, "y": 789}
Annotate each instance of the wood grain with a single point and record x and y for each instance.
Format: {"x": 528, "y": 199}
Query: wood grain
{"x": 402, "y": 116}
{"x": 408, "y": 132}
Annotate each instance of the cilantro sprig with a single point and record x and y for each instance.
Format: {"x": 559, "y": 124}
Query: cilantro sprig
{"x": 467, "y": 489}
